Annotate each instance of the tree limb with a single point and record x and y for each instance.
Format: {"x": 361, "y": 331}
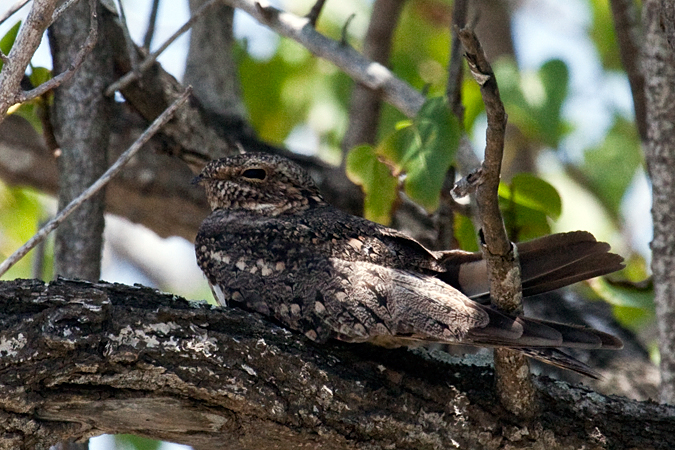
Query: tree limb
{"x": 659, "y": 70}
{"x": 629, "y": 36}
{"x": 516, "y": 391}
{"x": 80, "y": 359}
{"x": 373, "y": 75}
{"x": 27, "y": 41}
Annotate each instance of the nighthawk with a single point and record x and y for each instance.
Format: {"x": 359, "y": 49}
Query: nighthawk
{"x": 274, "y": 246}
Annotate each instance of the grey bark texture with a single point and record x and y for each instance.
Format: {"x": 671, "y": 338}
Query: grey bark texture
{"x": 81, "y": 359}
{"x": 659, "y": 69}
{"x": 210, "y": 67}
{"x": 81, "y": 117}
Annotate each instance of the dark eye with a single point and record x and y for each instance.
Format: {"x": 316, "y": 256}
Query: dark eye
{"x": 254, "y": 174}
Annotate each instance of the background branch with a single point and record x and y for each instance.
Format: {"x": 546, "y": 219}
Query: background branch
{"x": 366, "y": 103}
{"x": 629, "y": 36}
{"x": 122, "y": 359}
{"x": 373, "y": 75}
{"x": 95, "y": 187}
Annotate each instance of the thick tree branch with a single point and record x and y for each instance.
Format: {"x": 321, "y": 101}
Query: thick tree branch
{"x": 81, "y": 118}
{"x": 659, "y": 69}
{"x": 517, "y": 393}
{"x": 80, "y": 359}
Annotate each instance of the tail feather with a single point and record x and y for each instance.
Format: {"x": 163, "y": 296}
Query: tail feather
{"x": 547, "y": 263}
{"x": 561, "y": 359}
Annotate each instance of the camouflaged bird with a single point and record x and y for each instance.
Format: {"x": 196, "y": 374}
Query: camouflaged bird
{"x": 273, "y": 245}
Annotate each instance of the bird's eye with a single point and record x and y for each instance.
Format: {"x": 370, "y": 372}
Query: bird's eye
{"x": 254, "y": 174}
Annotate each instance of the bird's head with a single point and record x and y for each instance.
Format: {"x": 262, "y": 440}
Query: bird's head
{"x": 258, "y": 182}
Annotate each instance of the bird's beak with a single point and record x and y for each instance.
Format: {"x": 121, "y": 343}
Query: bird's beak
{"x": 197, "y": 180}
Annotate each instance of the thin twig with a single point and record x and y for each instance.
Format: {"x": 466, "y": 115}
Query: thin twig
{"x": 12, "y": 9}
{"x": 514, "y": 385}
{"x": 131, "y": 48}
{"x": 63, "y": 77}
{"x": 152, "y": 20}
{"x": 150, "y": 60}
{"x": 313, "y": 14}
{"x": 455, "y": 72}
{"x": 97, "y": 185}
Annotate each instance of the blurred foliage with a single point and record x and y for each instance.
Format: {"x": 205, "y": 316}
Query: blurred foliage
{"x": 8, "y": 39}
{"x": 534, "y": 101}
{"x": 527, "y": 204}
{"x": 609, "y": 169}
{"x": 421, "y": 150}
{"x": 21, "y": 212}
{"x": 602, "y": 33}
{"x": 131, "y": 442}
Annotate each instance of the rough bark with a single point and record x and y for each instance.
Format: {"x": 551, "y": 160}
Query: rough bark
{"x": 659, "y": 70}
{"x": 80, "y": 359}
{"x": 81, "y": 117}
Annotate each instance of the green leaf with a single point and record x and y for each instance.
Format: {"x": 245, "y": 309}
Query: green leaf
{"x": 424, "y": 151}
{"x": 8, "y": 39}
{"x": 633, "y": 307}
{"x": 129, "y": 441}
{"x": 534, "y": 193}
{"x": 534, "y": 100}
{"x": 379, "y": 185}
{"x": 610, "y": 168}
{"x": 465, "y": 233}
{"x": 40, "y": 75}
{"x": 554, "y": 77}
{"x": 527, "y": 204}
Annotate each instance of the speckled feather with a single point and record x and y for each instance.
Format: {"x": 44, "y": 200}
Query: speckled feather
{"x": 272, "y": 245}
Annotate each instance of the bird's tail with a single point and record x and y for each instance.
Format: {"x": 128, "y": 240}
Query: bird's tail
{"x": 540, "y": 339}
{"x": 547, "y": 263}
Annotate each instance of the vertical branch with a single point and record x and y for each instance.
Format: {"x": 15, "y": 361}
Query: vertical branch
{"x": 629, "y": 36}
{"x": 210, "y": 67}
{"x": 81, "y": 120}
{"x": 364, "y": 111}
{"x": 514, "y": 386}
{"x": 659, "y": 72}
{"x": 455, "y": 72}
{"x": 150, "y": 31}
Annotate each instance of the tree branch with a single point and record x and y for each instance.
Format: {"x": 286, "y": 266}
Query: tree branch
{"x": 373, "y": 75}
{"x": 27, "y": 41}
{"x": 659, "y": 70}
{"x": 81, "y": 359}
{"x": 517, "y": 393}
{"x": 629, "y": 36}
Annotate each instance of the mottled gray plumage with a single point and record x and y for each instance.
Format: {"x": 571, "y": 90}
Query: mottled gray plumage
{"x": 272, "y": 245}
